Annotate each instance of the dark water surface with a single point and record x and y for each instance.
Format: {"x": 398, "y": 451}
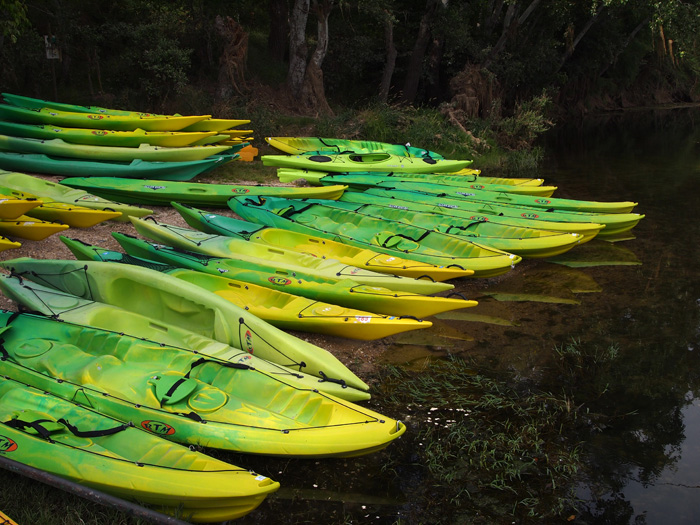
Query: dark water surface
{"x": 646, "y": 466}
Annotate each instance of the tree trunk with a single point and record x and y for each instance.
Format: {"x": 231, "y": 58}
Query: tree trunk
{"x": 313, "y": 92}
{"x": 232, "y": 63}
{"x": 415, "y": 67}
{"x": 624, "y": 46}
{"x": 297, "y": 47}
{"x": 571, "y": 48}
{"x": 510, "y": 25}
{"x": 493, "y": 11}
{"x": 390, "y": 62}
{"x": 278, "y": 39}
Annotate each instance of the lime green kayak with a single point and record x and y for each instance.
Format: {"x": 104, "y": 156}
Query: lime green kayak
{"x": 466, "y": 175}
{"x": 67, "y": 307}
{"x": 526, "y": 242}
{"x": 208, "y": 124}
{"x": 70, "y": 119}
{"x": 490, "y": 197}
{"x": 65, "y": 439}
{"x": 363, "y": 180}
{"x": 185, "y": 397}
{"x": 306, "y": 145}
{"x": 170, "y": 300}
{"x": 60, "y": 148}
{"x": 102, "y": 137}
{"x": 213, "y": 223}
{"x": 276, "y": 258}
{"x": 339, "y": 291}
{"x": 218, "y": 125}
{"x": 550, "y": 219}
{"x": 280, "y": 309}
{"x": 162, "y": 193}
{"x": 351, "y": 162}
{"x": 402, "y": 200}
{"x": 315, "y": 218}
{"x": 49, "y": 191}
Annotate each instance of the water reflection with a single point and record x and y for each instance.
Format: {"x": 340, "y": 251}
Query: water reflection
{"x": 643, "y": 465}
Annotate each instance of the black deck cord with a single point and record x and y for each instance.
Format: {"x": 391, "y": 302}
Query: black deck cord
{"x": 460, "y": 294}
{"x": 41, "y": 279}
{"x": 427, "y": 277}
{"x": 44, "y": 433}
{"x": 425, "y": 234}
{"x": 241, "y": 323}
{"x": 462, "y": 228}
{"x": 326, "y": 379}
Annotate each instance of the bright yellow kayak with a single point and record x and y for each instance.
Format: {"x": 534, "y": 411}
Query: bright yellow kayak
{"x": 29, "y": 228}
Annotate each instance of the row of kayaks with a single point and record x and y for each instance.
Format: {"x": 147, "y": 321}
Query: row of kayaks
{"x": 187, "y": 333}
{"x": 39, "y": 136}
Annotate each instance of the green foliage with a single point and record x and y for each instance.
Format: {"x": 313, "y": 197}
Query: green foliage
{"x": 13, "y": 19}
{"x": 490, "y": 449}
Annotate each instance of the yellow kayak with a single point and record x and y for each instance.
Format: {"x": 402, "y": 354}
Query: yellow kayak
{"x": 26, "y": 227}
{"x": 72, "y": 215}
{"x": 72, "y": 119}
{"x": 8, "y": 244}
{"x": 280, "y": 309}
{"x": 12, "y": 207}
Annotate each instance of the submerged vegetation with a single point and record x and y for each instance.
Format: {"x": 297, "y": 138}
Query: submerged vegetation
{"x": 489, "y": 448}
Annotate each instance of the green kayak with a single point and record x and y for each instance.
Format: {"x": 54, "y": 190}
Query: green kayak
{"x": 466, "y": 176}
{"x": 280, "y": 309}
{"x": 67, "y": 307}
{"x": 170, "y": 300}
{"x": 136, "y": 169}
{"x": 279, "y": 259}
{"x": 314, "y": 217}
{"x": 207, "y": 124}
{"x": 213, "y": 223}
{"x": 305, "y": 145}
{"x": 70, "y": 119}
{"x": 351, "y": 162}
{"x": 47, "y": 190}
{"x": 536, "y": 204}
{"x": 61, "y": 148}
{"x": 185, "y": 397}
{"x": 550, "y": 219}
{"x": 339, "y": 291}
{"x": 66, "y": 439}
{"x": 102, "y": 137}
{"x": 526, "y": 242}
{"x": 162, "y": 193}
{"x": 361, "y": 181}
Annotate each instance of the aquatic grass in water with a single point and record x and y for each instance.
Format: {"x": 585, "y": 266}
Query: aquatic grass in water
{"x": 489, "y": 449}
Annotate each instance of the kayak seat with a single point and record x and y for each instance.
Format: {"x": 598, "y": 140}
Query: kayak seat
{"x": 307, "y": 218}
{"x": 92, "y": 372}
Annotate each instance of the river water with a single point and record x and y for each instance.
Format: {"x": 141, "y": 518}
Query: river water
{"x": 648, "y": 463}
{"x": 632, "y": 305}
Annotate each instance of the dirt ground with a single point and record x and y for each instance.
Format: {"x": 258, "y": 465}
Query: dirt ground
{"x": 356, "y": 354}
